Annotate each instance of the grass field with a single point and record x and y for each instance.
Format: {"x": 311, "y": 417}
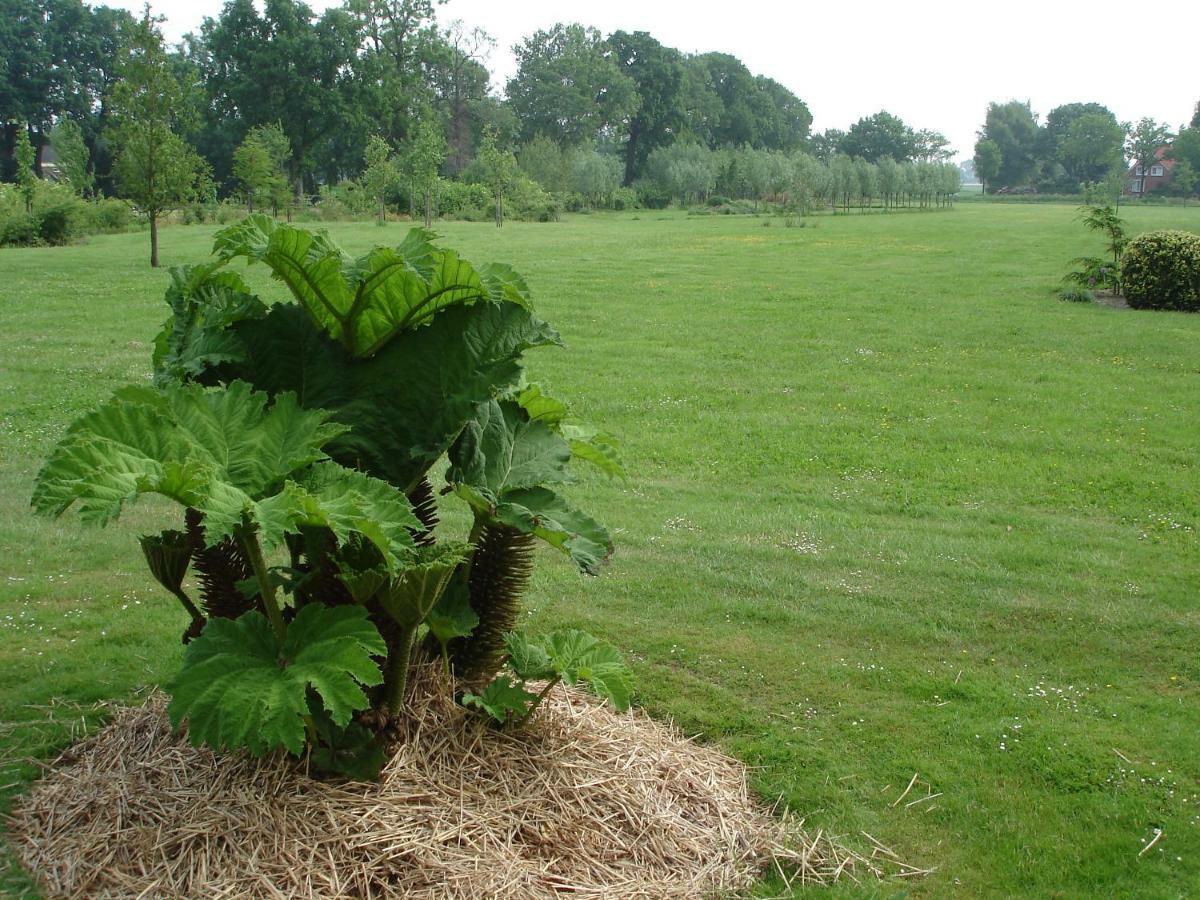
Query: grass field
{"x": 894, "y": 510}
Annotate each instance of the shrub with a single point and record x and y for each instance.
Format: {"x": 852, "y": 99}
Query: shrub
{"x": 1161, "y": 270}
{"x": 315, "y": 428}
{"x": 58, "y": 223}
{"x": 458, "y": 197}
{"x": 19, "y": 230}
{"x": 624, "y": 198}
{"x": 108, "y": 215}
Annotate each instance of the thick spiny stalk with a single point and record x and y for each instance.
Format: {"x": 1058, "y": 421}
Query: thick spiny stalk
{"x": 218, "y": 568}
{"x": 396, "y": 678}
{"x": 498, "y": 576}
{"x": 424, "y": 504}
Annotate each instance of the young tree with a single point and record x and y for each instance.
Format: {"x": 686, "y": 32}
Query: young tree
{"x": 154, "y": 167}
{"x": 426, "y": 153}
{"x": 260, "y": 164}
{"x": 499, "y": 168}
{"x": 67, "y": 141}
{"x": 1184, "y": 178}
{"x": 26, "y": 176}
{"x": 987, "y": 161}
{"x": 381, "y": 173}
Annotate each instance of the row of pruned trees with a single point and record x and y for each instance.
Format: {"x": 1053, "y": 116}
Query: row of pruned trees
{"x": 690, "y": 173}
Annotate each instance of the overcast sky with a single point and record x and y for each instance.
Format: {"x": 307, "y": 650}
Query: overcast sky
{"x": 934, "y": 65}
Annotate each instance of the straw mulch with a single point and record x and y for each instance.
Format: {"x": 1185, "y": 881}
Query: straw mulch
{"x": 584, "y": 801}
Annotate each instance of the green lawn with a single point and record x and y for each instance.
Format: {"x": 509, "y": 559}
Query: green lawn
{"x": 894, "y": 510}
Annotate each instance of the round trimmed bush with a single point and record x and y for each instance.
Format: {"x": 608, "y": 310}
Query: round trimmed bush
{"x": 1161, "y": 270}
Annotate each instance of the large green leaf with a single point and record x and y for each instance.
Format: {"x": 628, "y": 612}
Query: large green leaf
{"x": 363, "y": 304}
{"x": 346, "y": 502}
{"x": 209, "y": 449}
{"x": 528, "y": 658}
{"x": 204, "y": 304}
{"x": 586, "y": 443}
{"x": 543, "y": 513}
{"x": 307, "y": 262}
{"x": 407, "y": 403}
{"x": 501, "y": 450}
{"x": 452, "y": 616}
{"x": 225, "y": 453}
{"x": 241, "y": 687}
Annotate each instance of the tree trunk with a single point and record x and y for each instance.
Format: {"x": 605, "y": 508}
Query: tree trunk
{"x": 428, "y": 208}
{"x": 499, "y": 210}
{"x": 631, "y": 153}
{"x": 154, "y": 240}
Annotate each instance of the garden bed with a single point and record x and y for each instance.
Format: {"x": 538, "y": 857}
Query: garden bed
{"x": 584, "y": 801}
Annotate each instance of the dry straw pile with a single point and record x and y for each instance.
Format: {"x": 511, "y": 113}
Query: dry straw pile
{"x": 585, "y": 802}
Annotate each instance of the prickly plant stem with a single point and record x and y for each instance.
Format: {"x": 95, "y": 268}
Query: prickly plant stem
{"x": 266, "y": 589}
{"x": 397, "y": 674}
{"x": 540, "y": 697}
{"x": 196, "y": 615}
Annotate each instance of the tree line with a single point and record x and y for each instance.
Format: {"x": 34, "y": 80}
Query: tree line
{"x": 379, "y": 68}
{"x": 1078, "y": 144}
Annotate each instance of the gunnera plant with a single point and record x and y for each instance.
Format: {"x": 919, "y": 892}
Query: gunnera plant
{"x": 307, "y": 431}
{"x": 1161, "y": 270}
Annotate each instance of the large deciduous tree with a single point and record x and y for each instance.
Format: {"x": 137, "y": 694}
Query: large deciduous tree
{"x": 882, "y": 135}
{"x": 1091, "y": 147}
{"x": 658, "y": 74}
{"x": 1145, "y": 139}
{"x": 285, "y": 65}
{"x": 569, "y": 87}
{"x": 460, "y": 81}
{"x": 1013, "y": 128}
{"x": 154, "y": 167}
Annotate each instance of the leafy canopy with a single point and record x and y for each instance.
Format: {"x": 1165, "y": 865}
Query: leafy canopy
{"x": 363, "y": 303}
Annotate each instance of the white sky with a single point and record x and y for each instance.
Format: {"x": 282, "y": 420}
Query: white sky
{"x": 936, "y": 66}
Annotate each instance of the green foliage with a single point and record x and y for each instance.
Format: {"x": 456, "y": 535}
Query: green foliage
{"x": 500, "y": 465}
{"x": 365, "y": 303}
{"x": 260, "y": 164}
{"x": 498, "y": 168}
{"x": 67, "y": 140}
{"x": 567, "y": 86}
{"x": 504, "y": 699}
{"x": 241, "y": 686}
{"x": 306, "y": 426}
{"x": 1161, "y": 270}
{"x": 572, "y": 657}
{"x": 154, "y": 167}
{"x": 26, "y": 158}
{"x": 1101, "y": 273}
